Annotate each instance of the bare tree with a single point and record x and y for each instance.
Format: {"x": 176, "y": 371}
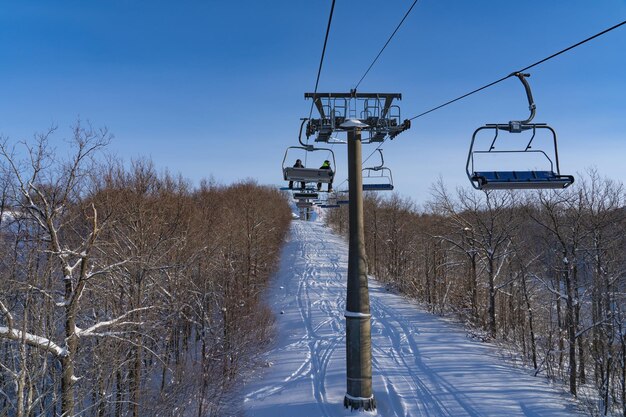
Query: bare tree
{"x": 480, "y": 225}
{"x": 49, "y": 196}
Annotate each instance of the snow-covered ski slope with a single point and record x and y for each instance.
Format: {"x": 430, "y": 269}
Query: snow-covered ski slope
{"x": 422, "y": 365}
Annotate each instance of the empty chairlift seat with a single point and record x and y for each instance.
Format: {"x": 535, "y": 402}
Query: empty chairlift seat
{"x": 378, "y": 187}
{"x": 503, "y": 180}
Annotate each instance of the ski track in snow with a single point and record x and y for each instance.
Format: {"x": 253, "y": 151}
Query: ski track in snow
{"x": 422, "y": 365}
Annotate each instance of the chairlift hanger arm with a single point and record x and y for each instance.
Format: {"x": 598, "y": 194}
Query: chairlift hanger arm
{"x": 320, "y": 107}
{"x": 304, "y": 120}
{"x": 385, "y": 111}
{"x": 529, "y": 95}
{"x": 382, "y": 162}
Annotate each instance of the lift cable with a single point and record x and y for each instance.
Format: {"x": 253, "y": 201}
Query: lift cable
{"x": 387, "y": 43}
{"x": 319, "y": 70}
{"x": 519, "y": 71}
{"x": 487, "y": 85}
{"x": 370, "y": 67}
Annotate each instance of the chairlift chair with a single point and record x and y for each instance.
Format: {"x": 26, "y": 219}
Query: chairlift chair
{"x": 308, "y": 175}
{"x": 330, "y": 202}
{"x": 548, "y": 178}
{"x": 378, "y": 178}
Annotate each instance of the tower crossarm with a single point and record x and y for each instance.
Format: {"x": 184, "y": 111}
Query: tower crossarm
{"x": 376, "y": 110}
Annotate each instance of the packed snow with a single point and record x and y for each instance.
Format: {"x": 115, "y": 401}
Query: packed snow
{"x": 423, "y": 365}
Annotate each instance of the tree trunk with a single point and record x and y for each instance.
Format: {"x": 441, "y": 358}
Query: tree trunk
{"x": 135, "y": 374}
{"x": 559, "y": 322}
{"x": 119, "y": 389}
{"x": 571, "y": 330}
{"x": 474, "y": 283}
{"x": 21, "y": 382}
{"x": 67, "y": 393}
{"x": 67, "y": 362}
{"x": 492, "y": 299}
{"x": 623, "y": 375}
{"x": 533, "y": 344}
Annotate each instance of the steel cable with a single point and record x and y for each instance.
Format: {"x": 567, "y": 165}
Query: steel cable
{"x": 521, "y": 70}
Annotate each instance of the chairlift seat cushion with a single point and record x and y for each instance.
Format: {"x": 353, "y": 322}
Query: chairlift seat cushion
{"x": 308, "y": 174}
{"x": 502, "y": 180}
{"x": 377, "y": 187}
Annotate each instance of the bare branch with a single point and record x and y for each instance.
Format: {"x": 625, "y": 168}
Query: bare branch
{"x": 34, "y": 340}
{"x": 117, "y": 321}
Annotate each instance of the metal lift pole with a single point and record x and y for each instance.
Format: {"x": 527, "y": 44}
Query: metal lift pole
{"x": 358, "y": 328}
{"x": 333, "y": 118}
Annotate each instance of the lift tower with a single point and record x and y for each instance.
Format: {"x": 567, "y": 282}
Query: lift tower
{"x": 376, "y": 116}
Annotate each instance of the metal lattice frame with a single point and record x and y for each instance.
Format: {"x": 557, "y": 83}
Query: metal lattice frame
{"x": 372, "y": 109}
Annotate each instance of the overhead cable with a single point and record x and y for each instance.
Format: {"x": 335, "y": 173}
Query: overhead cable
{"x": 319, "y": 70}
{"x": 519, "y": 71}
{"x": 372, "y": 64}
{"x": 387, "y": 43}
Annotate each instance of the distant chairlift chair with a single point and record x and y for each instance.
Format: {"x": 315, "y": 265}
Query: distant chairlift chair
{"x": 378, "y": 178}
{"x": 329, "y": 204}
{"x": 550, "y": 178}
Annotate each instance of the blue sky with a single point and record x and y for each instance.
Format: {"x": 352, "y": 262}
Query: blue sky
{"x": 209, "y": 88}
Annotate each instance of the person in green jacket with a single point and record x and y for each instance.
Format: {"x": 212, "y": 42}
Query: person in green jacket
{"x": 326, "y": 165}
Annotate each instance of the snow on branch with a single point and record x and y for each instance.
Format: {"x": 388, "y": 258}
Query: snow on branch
{"x": 34, "y": 340}
{"x": 106, "y": 269}
{"x": 593, "y": 325}
{"x": 92, "y": 331}
{"x": 549, "y": 287}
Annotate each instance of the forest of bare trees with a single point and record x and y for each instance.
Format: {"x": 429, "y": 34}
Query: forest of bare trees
{"x": 125, "y": 291}
{"x": 542, "y": 272}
